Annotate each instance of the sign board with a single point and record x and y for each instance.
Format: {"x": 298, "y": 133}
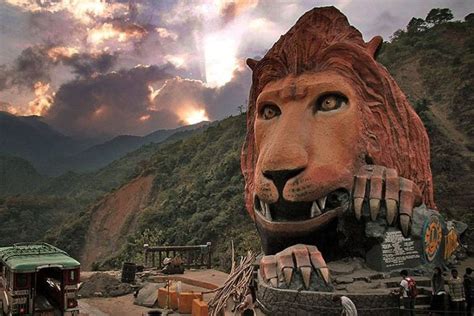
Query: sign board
{"x": 395, "y": 252}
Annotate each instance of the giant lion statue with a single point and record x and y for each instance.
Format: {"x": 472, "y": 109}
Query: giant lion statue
{"x": 329, "y": 134}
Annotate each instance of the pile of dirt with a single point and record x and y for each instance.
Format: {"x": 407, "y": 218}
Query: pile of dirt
{"x": 104, "y": 285}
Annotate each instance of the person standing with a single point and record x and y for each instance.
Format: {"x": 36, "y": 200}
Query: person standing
{"x": 348, "y": 307}
{"x": 408, "y": 292}
{"x": 469, "y": 290}
{"x": 438, "y": 293}
{"x": 456, "y": 293}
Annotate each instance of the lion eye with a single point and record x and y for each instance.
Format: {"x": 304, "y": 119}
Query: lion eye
{"x": 330, "y": 102}
{"x": 270, "y": 111}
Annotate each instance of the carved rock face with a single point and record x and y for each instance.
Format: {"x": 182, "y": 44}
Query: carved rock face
{"x": 320, "y": 108}
{"x": 306, "y": 136}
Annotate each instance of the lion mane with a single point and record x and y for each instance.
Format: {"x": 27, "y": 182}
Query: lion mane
{"x": 323, "y": 39}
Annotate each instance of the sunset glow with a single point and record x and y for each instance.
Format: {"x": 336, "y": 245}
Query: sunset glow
{"x": 60, "y": 51}
{"x": 195, "y": 116}
{"x": 220, "y": 52}
{"x": 176, "y": 60}
{"x": 107, "y": 31}
{"x": 99, "y": 111}
{"x": 155, "y": 64}
{"x": 144, "y": 118}
{"x": 42, "y": 101}
{"x": 153, "y": 93}
{"x": 102, "y": 33}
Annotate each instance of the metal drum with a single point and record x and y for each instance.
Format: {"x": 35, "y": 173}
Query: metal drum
{"x": 128, "y": 272}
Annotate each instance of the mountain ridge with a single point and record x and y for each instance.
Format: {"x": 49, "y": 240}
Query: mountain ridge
{"x": 53, "y": 154}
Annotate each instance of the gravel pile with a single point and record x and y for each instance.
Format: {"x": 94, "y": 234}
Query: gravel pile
{"x": 104, "y": 285}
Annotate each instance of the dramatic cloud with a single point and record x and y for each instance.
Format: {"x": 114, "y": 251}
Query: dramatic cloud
{"x": 186, "y": 97}
{"x": 141, "y": 100}
{"x": 229, "y": 10}
{"x": 58, "y": 27}
{"x": 111, "y": 104}
{"x": 31, "y": 66}
{"x": 34, "y": 65}
{"x": 84, "y": 11}
{"x": 61, "y": 58}
{"x": 87, "y": 65}
{"x": 7, "y": 107}
{"x": 43, "y": 100}
{"x": 117, "y": 31}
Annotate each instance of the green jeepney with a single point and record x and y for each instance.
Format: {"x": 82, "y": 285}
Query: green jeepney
{"x": 38, "y": 279}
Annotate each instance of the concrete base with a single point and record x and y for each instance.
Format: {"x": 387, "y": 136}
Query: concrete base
{"x": 291, "y": 302}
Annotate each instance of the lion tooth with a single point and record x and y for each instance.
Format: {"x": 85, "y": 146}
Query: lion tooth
{"x": 262, "y": 207}
{"x": 268, "y": 215}
{"x": 315, "y": 210}
{"x": 322, "y": 203}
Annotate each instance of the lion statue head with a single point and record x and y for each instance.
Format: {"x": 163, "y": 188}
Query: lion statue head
{"x": 320, "y": 108}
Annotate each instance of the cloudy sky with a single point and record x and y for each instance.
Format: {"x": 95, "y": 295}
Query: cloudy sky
{"x": 102, "y": 68}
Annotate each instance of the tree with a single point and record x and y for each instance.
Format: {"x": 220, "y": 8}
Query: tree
{"x": 439, "y": 16}
{"x": 396, "y": 35}
{"x": 422, "y": 105}
{"x": 416, "y": 25}
{"x": 242, "y": 108}
{"x": 469, "y": 18}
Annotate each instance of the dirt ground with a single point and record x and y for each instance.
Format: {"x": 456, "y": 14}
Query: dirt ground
{"x": 119, "y": 306}
{"x": 123, "y": 305}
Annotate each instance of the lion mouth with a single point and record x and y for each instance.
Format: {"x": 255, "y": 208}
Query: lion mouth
{"x": 287, "y": 211}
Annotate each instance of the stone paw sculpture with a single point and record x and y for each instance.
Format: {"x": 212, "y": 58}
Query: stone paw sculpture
{"x": 387, "y": 194}
{"x": 299, "y": 267}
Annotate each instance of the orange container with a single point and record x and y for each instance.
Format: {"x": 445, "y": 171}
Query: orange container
{"x": 173, "y": 300}
{"x": 199, "y": 308}
{"x": 185, "y": 301}
{"x": 162, "y": 297}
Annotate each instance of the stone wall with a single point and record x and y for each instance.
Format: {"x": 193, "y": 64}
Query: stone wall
{"x": 291, "y": 302}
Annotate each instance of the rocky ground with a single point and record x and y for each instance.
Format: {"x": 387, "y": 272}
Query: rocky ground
{"x": 108, "y": 306}
{"x": 104, "y": 285}
{"x": 102, "y": 293}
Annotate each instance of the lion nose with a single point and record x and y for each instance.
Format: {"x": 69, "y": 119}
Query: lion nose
{"x": 281, "y": 177}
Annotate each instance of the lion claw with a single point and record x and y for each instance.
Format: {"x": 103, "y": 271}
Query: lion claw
{"x": 268, "y": 267}
{"x": 287, "y": 273}
{"x": 391, "y": 211}
{"x": 401, "y": 195}
{"x": 405, "y": 223}
{"x": 374, "y": 208}
{"x": 305, "y": 258}
{"x": 306, "y": 273}
{"x": 358, "y": 202}
{"x": 325, "y": 274}
{"x": 285, "y": 266}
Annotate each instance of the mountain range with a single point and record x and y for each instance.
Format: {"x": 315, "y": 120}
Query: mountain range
{"x": 53, "y": 153}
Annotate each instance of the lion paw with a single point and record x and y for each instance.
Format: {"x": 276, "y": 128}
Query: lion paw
{"x": 296, "y": 262}
{"x": 382, "y": 187}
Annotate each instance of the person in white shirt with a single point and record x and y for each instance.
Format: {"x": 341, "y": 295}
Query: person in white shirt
{"x": 408, "y": 300}
{"x": 348, "y": 307}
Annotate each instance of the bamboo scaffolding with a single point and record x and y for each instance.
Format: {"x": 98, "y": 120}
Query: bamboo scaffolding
{"x": 236, "y": 286}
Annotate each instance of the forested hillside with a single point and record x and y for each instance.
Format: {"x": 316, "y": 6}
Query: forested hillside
{"x": 196, "y": 197}
{"x": 433, "y": 62}
{"x": 44, "y": 205}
